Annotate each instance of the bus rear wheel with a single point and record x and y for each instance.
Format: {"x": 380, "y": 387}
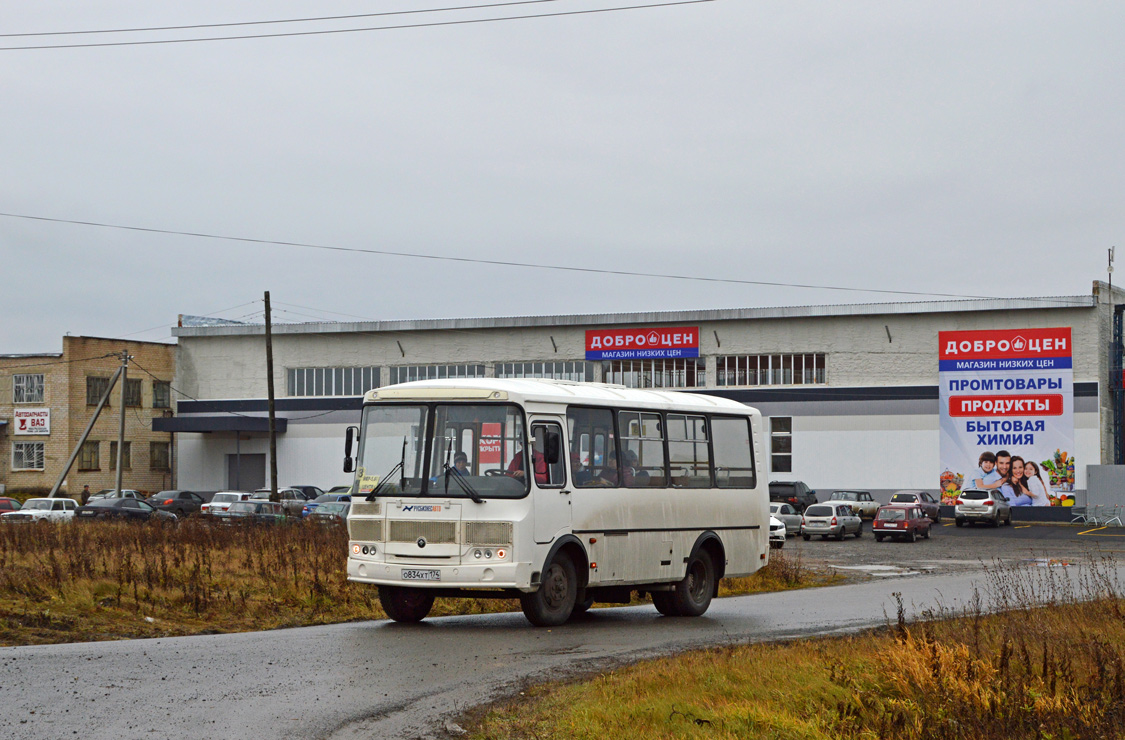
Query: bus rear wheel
{"x": 405, "y": 604}
{"x": 553, "y": 603}
{"x": 692, "y": 595}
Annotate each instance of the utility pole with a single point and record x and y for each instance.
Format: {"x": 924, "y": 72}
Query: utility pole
{"x": 85, "y": 434}
{"x": 121, "y": 428}
{"x": 269, "y": 386}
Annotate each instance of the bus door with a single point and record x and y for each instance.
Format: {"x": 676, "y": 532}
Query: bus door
{"x": 550, "y": 493}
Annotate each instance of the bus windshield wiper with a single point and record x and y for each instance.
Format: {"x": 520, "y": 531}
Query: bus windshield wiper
{"x": 451, "y": 472}
{"x": 400, "y": 465}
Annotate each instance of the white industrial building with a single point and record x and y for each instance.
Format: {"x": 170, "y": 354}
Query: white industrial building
{"x": 850, "y": 392}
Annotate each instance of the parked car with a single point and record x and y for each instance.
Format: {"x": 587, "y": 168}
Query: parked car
{"x": 324, "y": 498}
{"x": 832, "y": 519}
{"x": 795, "y": 493}
{"x": 293, "y": 500}
{"x": 331, "y": 512}
{"x": 128, "y": 509}
{"x": 861, "y": 502}
{"x": 254, "y": 511}
{"x": 221, "y": 501}
{"x": 777, "y": 533}
{"x": 9, "y": 504}
{"x": 310, "y": 492}
{"x": 925, "y": 501}
{"x": 180, "y": 503}
{"x": 901, "y": 521}
{"x": 340, "y": 489}
{"x": 787, "y": 515}
{"x": 980, "y": 505}
{"x": 113, "y": 493}
{"x": 42, "y": 510}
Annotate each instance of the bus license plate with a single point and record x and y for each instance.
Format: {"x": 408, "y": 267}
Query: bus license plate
{"x": 421, "y": 575}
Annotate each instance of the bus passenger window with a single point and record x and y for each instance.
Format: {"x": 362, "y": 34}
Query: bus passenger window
{"x": 593, "y": 449}
{"x": 689, "y": 460}
{"x": 642, "y": 442}
{"x": 734, "y": 457}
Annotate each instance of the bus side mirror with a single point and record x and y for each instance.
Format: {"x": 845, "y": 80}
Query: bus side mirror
{"x": 553, "y": 449}
{"x": 349, "y": 437}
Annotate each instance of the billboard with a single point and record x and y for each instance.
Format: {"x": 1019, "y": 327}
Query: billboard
{"x": 642, "y": 344}
{"x": 32, "y": 421}
{"x": 1008, "y": 393}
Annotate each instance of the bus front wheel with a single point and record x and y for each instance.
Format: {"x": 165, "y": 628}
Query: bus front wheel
{"x": 692, "y": 595}
{"x": 553, "y": 603}
{"x": 405, "y": 604}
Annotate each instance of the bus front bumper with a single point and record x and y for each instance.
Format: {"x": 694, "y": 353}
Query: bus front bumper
{"x": 429, "y": 575}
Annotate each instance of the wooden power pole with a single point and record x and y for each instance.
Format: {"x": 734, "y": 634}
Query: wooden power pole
{"x": 270, "y": 406}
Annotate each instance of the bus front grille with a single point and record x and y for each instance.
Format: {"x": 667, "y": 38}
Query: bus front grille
{"x": 488, "y": 533}
{"x": 404, "y": 530}
{"x": 365, "y": 530}
{"x": 366, "y": 508}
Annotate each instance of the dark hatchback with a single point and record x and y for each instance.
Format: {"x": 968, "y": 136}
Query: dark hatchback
{"x": 795, "y": 493}
{"x": 180, "y": 503}
{"x": 926, "y": 502}
{"x": 127, "y": 509}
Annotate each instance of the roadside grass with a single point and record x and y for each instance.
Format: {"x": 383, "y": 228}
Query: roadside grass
{"x": 107, "y": 580}
{"x": 1052, "y": 666}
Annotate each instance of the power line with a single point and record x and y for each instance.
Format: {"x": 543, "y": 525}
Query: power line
{"x": 281, "y": 20}
{"x": 507, "y": 263}
{"x": 433, "y": 24}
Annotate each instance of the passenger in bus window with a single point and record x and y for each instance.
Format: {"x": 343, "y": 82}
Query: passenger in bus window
{"x": 582, "y": 474}
{"x": 608, "y": 475}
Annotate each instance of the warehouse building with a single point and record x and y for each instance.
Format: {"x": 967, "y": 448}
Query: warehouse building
{"x": 852, "y": 395}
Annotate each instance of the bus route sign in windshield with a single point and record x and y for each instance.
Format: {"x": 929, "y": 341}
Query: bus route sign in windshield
{"x": 642, "y": 344}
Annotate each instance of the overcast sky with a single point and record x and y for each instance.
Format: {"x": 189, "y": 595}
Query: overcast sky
{"x": 952, "y": 147}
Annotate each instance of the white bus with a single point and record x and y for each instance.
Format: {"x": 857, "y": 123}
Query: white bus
{"x": 629, "y": 490}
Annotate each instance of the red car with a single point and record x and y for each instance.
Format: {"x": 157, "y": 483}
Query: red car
{"x": 8, "y": 504}
{"x": 923, "y": 500}
{"x": 901, "y": 521}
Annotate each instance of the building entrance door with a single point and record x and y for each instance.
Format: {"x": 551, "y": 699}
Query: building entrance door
{"x": 246, "y": 472}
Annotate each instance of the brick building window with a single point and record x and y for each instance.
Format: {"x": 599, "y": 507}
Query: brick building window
{"x": 679, "y": 373}
{"x": 133, "y": 392}
{"x": 95, "y": 389}
{"x": 784, "y": 369}
{"x": 28, "y": 455}
{"x": 160, "y": 456}
{"x": 408, "y": 373}
{"x": 781, "y": 444}
{"x": 578, "y": 370}
{"x": 126, "y": 456}
{"x": 161, "y": 394}
{"x": 331, "y": 381}
{"x": 27, "y": 389}
{"x": 90, "y": 456}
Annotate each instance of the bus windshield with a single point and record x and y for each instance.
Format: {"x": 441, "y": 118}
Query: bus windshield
{"x": 481, "y": 444}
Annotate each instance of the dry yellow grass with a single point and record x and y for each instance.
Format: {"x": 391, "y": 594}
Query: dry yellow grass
{"x": 1054, "y": 672}
{"x": 96, "y": 581}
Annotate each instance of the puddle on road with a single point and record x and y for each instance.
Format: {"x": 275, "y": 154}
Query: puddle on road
{"x": 881, "y": 570}
{"x": 1047, "y": 562}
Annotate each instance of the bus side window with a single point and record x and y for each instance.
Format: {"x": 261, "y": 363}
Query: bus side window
{"x": 547, "y": 455}
{"x": 688, "y": 452}
{"x": 593, "y": 453}
{"x": 734, "y": 456}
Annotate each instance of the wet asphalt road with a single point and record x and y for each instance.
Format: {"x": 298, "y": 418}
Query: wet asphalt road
{"x": 385, "y": 680}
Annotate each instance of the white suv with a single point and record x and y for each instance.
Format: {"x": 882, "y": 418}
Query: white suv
{"x": 43, "y": 509}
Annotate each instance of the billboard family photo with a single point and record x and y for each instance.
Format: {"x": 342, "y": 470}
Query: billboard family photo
{"x": 1007, "y": 414}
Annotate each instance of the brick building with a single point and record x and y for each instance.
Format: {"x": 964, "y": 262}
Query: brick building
{"x": 46, "y": 401}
